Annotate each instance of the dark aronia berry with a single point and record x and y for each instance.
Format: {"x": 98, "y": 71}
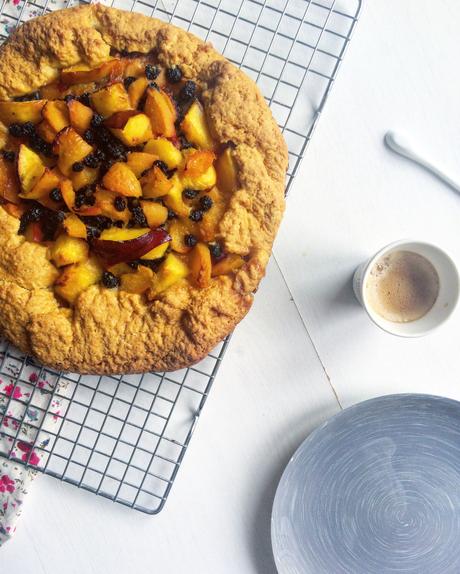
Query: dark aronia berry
{"x": 85, "y": 99}
{"x": 216, "y": 250}
{"x": 39, "y": 144}
{"x": 28, "y": 129}
{"x": 109, "y": 280}
{"x": 190, "y": 240}
{"x": 171, "y": 214}
{"x": 190, "y": 193}
{"x": 78, "y": 166}
{"x": 92, "y": 232}
{"x": 28, "y": 97}
{"x": 128, "y": 81}
{"x": 196, "y": 215}
{"x": 79, "y": 199}
{"x": 116, "y": 149}
{"x": 92, "y": 161}
{"x": 60, "y": 215}
{"x": 32, "y": 215}
{"x": 174, "y": 74}
{"x": 69, "y": 97}
{"x": 55, "y": 195}
{"x": 15, "y": 130}
{"x": 154, "y": 86}
{"x": 138, "y": 217}
{"x": 120, "y": 203}
{"x": 133, "y": 202}
{"x": 99, "y": 154}
{"x": 187, "y": 91}
{"x": 205, "y": 203}
{"x": 97, "y": 222}
{"x": 89, "y": 136}
{"x": 152, "y": 72}
{"x": 96, "y": 120}
{"x": 9, "y": 155}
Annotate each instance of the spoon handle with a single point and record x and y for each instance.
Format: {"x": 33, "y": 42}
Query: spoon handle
{"x": 396, "y": 144}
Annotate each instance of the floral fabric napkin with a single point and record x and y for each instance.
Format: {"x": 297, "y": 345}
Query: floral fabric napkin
{"x": 32, "y": 404}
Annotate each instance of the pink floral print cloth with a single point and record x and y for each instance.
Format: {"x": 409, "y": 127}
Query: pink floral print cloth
{"x": 32, "y": 406}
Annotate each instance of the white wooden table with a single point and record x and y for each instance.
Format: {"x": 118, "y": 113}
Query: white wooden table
{"x": 307, "y": 348}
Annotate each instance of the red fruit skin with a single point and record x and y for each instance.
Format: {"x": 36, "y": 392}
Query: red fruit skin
{"x": 122, "y": 251}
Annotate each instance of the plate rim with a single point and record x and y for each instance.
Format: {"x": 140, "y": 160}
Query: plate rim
{"x": 317, "y": 430}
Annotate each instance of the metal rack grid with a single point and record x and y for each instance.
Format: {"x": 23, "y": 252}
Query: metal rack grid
{"x": 124, "y": 437}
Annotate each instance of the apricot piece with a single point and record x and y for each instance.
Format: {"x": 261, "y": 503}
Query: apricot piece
{"x": 172, "y": 270}
{"x": 21, "y": 112}
{"x": 156, "y": 184}
{"x": 228, "y": 264}
{"x": 109, "y": 100}
{"x": 66, "y": 250}
{"x": 3, "y": 136}
{"x": 77, "y": 278}
{"x": 15, "y": 210}
{"x": 195, "y": 127}
{"x": 70, "y": 148}
{"x": 166, "y": 151}
{"x": 136, "y": 130}
{"x": 9, "y": 181}
{"x": 155, "y": 213}
{"x": 200, "y": 266}
{"x": 174, "y": 198}
{"x": 81, "y": 73}
{"x": 137, "y": 282}
{"x": 50, "y": 179}
{"x": 139, "y": 161}
{"x": 121, "y": 179}
{"x": 198, "y": 163}
{"x": 204, "y": 181}
{"x": 87, "y": 176}
{"x": 74, "y": 226}
{"x": 56, "y": 114}
{"x": 68, "y": 194}
{"x": 46, "y": 131}
{"x": 178, "y": 229}
{"x": 209, "y": 224}
{"x": 226, "y": 172}
{"x": 30, "y": 168}
{"x": 161, "y": 111}
{"x": 105, "y": 199}
{"x": 136, "y": 90}
{"x": 79, "y": 115}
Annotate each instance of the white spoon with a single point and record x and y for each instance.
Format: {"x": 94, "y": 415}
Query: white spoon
{"x": 399, "y": 144}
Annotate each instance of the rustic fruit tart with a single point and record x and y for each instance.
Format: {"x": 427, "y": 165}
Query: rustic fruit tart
{"x": 141, "y": 184}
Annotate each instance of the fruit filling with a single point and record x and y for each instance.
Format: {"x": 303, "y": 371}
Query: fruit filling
{"x": 115, "y": 170}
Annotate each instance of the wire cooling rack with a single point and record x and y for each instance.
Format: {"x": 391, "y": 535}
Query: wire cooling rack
{"x": 124, "y": 437}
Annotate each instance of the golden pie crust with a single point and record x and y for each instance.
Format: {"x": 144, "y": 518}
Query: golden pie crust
{"x": 111, "y": 331}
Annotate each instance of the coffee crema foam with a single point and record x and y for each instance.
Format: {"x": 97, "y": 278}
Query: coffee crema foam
{"x": 402, "y": 286}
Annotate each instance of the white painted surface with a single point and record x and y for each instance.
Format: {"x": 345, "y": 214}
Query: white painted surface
{"x": 351, "y": 197}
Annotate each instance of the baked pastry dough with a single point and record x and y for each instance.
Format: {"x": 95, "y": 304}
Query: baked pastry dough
{"x": 112, "y": 330}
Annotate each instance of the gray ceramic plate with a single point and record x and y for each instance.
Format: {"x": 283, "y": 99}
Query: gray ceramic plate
{"x": 376, "y": 489}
